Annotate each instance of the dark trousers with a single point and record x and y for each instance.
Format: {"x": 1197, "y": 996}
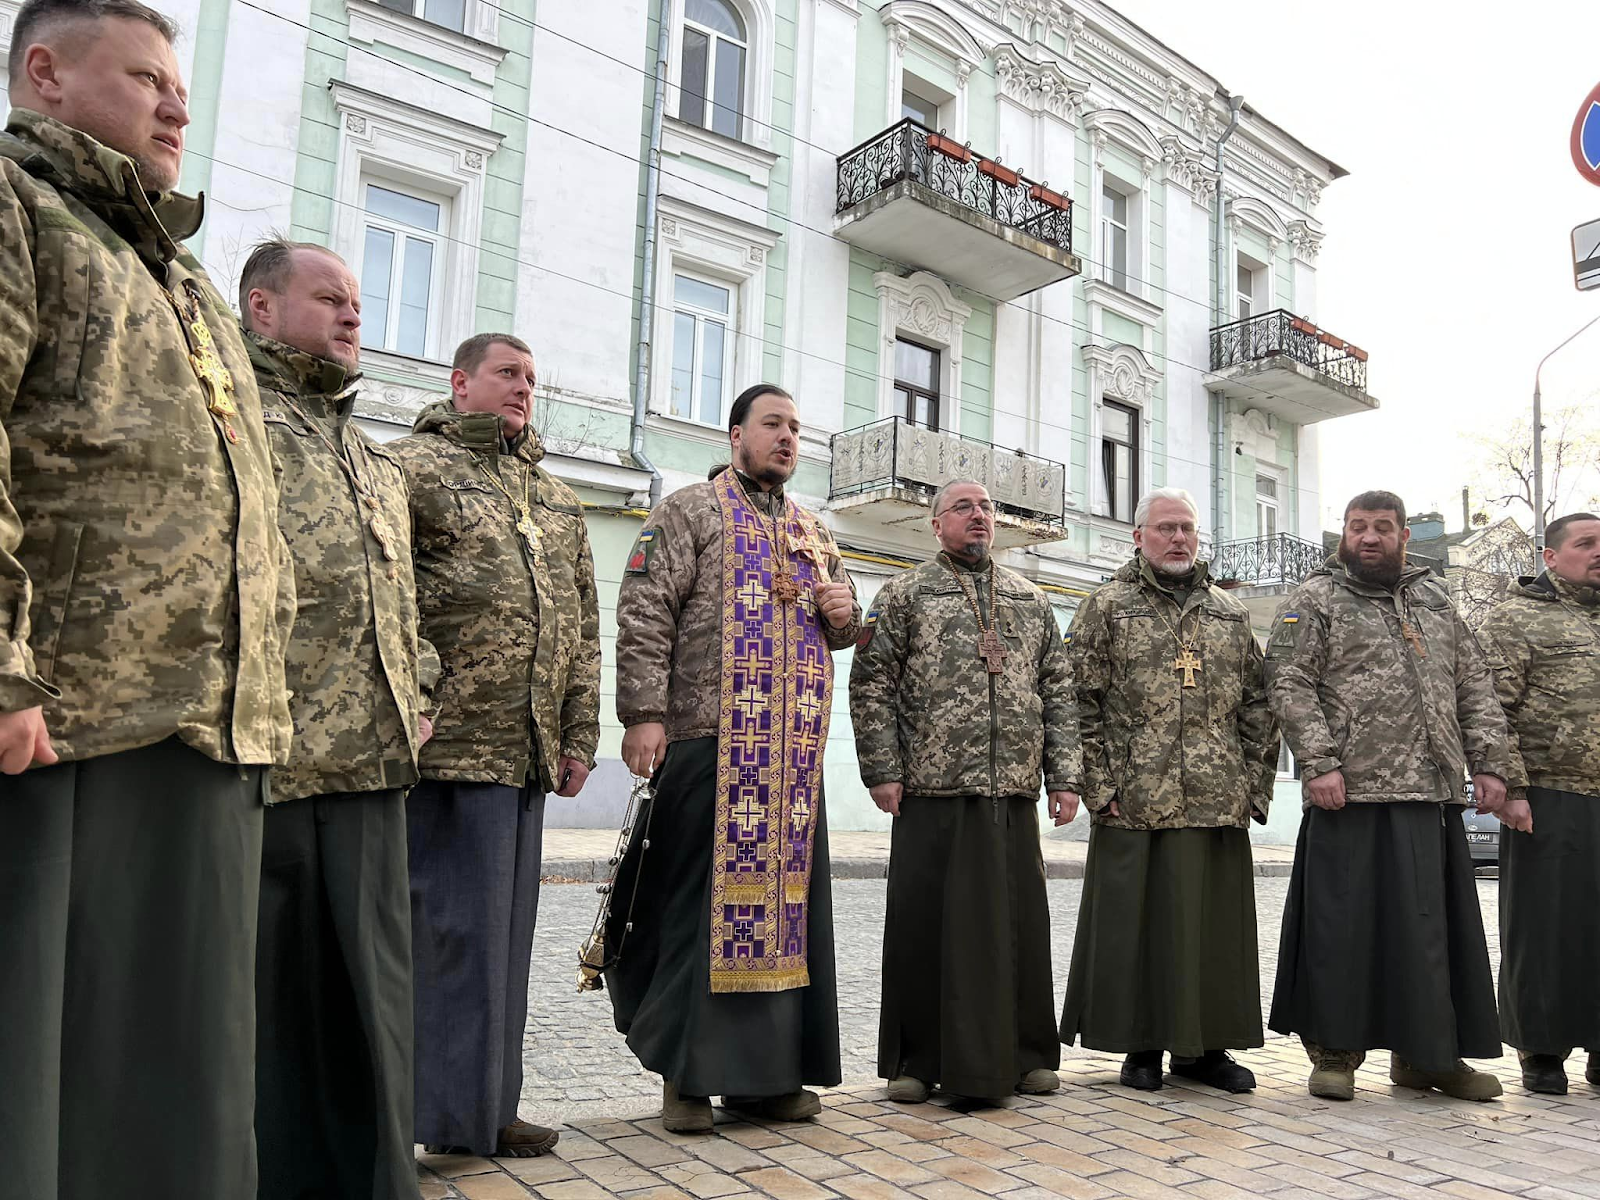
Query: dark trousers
{"x": 333, "y": 1001}
{"x": 128, "y": 892}
{"x": 475, "y": 851}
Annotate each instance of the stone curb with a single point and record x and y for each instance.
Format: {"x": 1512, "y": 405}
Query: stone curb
{"x": 595, "y": 870}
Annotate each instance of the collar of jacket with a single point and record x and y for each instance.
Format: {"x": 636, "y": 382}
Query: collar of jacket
{"x": 321, "y": 386}
{"x": 1139, "y": 569}
{"x": 1549, "y": 586}
{"x": 1410, "y": 575}
{"x": 768, "y": 500}
{"x": 71, "y": 161}
{"x": 983, "y": 568}
{"x": 479, "y": 432}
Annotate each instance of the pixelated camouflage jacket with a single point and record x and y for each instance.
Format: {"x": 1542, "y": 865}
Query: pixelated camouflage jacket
{"x": 144, "y": 585}
{"x": 1172, "y": 757}
{"x": 927, "y": 712}
{"x": 670, "y": 606}
{"x": 1543, "y": 644}
{"x": 1353, "y": 695}
{"x": 517, "y": 629}
{"x": 356, "y": 671}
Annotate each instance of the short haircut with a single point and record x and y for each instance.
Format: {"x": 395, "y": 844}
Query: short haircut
{"x": 740, "y": 412}
{"x": 471, "y": 353}
{"x": 39, "y": 20}
{"x": 1141, "y": 511}
{"x": 269, "y": 267}
{"x": 938, "y": 496}
{"x": 1378, "y": 501}
{"x": 1557, "y": 531}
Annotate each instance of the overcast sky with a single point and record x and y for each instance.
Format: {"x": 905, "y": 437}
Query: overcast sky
{"x": 1448, "y": 251}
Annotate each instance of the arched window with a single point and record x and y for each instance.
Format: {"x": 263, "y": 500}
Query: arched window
{"x": 712, "y": 67}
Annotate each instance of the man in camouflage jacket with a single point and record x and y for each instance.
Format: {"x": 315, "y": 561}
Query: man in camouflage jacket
{"x": 333, "y": 995}
{"x": 146, "y": 596}
{"x": 1387, "y": 702}
{"x": 1180, "y": 751}
{"x": 505, "y": 585}
{"x": 1544, "y": 646}
{"x": 962, "y": 703}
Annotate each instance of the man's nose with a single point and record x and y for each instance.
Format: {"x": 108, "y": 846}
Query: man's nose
{"x": 173, "y": 109}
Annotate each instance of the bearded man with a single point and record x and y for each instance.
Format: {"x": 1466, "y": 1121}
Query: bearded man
{"x": 1387, "y": 702}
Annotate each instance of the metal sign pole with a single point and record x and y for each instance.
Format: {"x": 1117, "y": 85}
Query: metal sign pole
{"x": 1538, "y": 442}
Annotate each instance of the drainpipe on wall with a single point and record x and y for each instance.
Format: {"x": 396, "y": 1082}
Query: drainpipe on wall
{"x": 1219, "y": 316}
{"x": 647, "y": 288}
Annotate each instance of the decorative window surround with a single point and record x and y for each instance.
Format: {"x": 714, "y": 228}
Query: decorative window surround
{"x": 1256, "y": 433}
{"x": 382, "y": 138}
{"x": 907, "y": 19}
{"x": 473, "y": 52}
{"x": 1259, "y": 216}
{"x": 1042, "y": 87}
{"x": 1109, "y": 127}
{"x": 1306, "y": 240}
{"x": 8, "y": 14}
{"x": 702, "y": 242}
{"x": 693, "y": 141}
{"x": 385, "y": 398}
{"x": 1099, "y": 295}
{"x": 759, "y": 25}
{"x": 1120, "y": 373}
{"x": 922, "y": 308}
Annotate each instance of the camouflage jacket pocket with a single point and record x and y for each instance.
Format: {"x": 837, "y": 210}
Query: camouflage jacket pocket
{"x": 53, "y": 597}
{"x": 65, "y": 273}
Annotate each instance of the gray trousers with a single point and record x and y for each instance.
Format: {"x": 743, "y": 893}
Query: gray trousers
{"x": 128, "y": 892}
{"x": 475, "y": 851}
{"x": 333, "y": 1001}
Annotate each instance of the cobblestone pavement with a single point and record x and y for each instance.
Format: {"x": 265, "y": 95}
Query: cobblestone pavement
{"x": 1092, "y": 1139}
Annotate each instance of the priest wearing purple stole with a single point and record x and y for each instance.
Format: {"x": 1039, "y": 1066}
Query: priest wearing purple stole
{"x": 721, "y": 931}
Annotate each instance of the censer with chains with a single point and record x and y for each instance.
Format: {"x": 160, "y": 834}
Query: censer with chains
{"x": 594, "y": 956}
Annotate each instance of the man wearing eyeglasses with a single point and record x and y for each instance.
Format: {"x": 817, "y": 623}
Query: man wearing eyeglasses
{"x": 961, "y": 700}
{"x": 1179, "y": 752}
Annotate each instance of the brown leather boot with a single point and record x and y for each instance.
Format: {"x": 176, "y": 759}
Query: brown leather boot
{"x": 684, "y": 1114}
{"x": 1461, "y": 1081}
{"x": 792, "y": 1106}
{"x": 1333, "y": 1072}
{"x": 523, "y": 1140}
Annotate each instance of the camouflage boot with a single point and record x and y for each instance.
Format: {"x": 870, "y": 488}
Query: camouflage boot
{"x": 1461, "y": 1081}
{"x": 1333, "y": 1072}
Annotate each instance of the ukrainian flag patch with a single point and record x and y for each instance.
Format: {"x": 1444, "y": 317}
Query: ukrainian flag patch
{"x": 867, "y": 623}
{"x": 1066, "y": 638}
{"x": 639, "y": 560}
{"x": 1291, "y": 618}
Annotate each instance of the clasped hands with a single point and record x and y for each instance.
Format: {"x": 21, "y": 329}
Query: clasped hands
{"x": 1327, "y": 792}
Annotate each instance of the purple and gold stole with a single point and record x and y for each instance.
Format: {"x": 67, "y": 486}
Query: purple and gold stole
{"x": 777, "y": 686}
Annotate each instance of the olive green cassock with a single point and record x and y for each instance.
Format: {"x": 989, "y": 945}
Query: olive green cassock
{"x": 968, "y": 996}
{"x": 1165, "y": 956}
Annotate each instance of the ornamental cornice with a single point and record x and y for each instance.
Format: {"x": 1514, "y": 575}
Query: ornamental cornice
{"x": 1040, "y": 86}
{"x": 1306, "y": 241}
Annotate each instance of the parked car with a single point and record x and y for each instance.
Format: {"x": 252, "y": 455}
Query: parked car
{"x": 1483, "y": 833}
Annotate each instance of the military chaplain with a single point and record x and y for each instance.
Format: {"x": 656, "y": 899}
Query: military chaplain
{"x": 1544, "y": 646}
{"x": 146, "y": 595}
{"x": 505, "y": 585}
{"x": 333, "y": 953}
{"x": 961, "y": 701}
{"x": 1180, "y": 750}
{"x": 1387, "y": 702}
{"x": 731, "y": 603}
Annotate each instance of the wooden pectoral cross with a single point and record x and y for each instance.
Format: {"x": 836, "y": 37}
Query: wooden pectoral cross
{"x": 993, "y": 651}
{"x": 784, "y": 588}
{"x": 1413, "y": 635}
{"x": 1188, "y": 662}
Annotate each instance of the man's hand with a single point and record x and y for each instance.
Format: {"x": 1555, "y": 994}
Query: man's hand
{"x": 835, "y": 602}
{"x": 24, "y": 741}
{"x": 887, "y": 797}
{"x": 570, "y": 776}
{"x": 1113, "y": 809}
{"x": 1517, "y": 814}
{"x": 1063, "y": 807}
{"x": 424, "y": 728}
{"x": 1327, "y": 791}
{"x": 1489, "y": 791}
{"x": 643, "y": 747}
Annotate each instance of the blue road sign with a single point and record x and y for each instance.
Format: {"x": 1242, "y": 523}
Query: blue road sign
{"x": 1586, "y": 137}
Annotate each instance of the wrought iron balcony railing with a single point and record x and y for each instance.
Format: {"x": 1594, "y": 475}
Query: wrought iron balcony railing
{"x": 894, "y": 453}
{"x": 909, "y": 151}
{"x": 1281, "y": 332}
{"x": 1282, "y": 558}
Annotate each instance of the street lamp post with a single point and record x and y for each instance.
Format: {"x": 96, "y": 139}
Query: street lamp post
{"x": 1538, "y": 443}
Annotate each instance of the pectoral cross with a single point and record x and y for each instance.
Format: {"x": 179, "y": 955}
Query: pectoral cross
{"x": 784, "y": 588}
{"x": 1413, "y": 635}
{"x": 529, "y": 531}
{"x": 993, "y": 651}
{"x": 1187, "y": 662}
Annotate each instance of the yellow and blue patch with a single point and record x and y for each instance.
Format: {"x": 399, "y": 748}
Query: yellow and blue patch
{"x": 1291, "y": 618}
{"x": 639, "y": 560}
{"x": 867, "y": 623}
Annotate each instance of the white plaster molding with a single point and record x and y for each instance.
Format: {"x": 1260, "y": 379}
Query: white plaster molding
{"x": 937, "y": 28}
{"x": 1126, "y": 131}
{"x": 473, "y": 53}
{"x": 1121, "y": 373}
{"x": 760, "y": 30}
{"x": 694, "y": 141}
{"x": 1100, "y": 295}
{"x": 704, "y": 242}
{"x": 1306, "y": 241}
{"x": 384, "y": 138}
{"x": 1040, "y": 86}
{"x": 921, "y": 307}
{"x": 1255, "y": 432}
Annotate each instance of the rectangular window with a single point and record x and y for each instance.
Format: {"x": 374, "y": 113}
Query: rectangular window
{"x": 452, "y": 14}
{"x": 702, "y": 348}
{"x": 920, "y": 109}
{"x": 1119, "y": 460}
{"x": 916, "y": 383}
{"x": 1114, "y": 237}
{"x": 1245, "y": 302}
{"x": 1266, "y": 506}
{"x": 711, "y": 67}
{"x": 401, "y": 274}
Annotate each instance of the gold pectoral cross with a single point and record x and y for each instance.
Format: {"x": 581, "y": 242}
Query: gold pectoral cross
{"x": 1188, "y": 662}
{"x": 531, "y": 533}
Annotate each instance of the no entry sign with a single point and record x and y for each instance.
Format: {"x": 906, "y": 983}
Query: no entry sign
{"x": 1586, "y": 138}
